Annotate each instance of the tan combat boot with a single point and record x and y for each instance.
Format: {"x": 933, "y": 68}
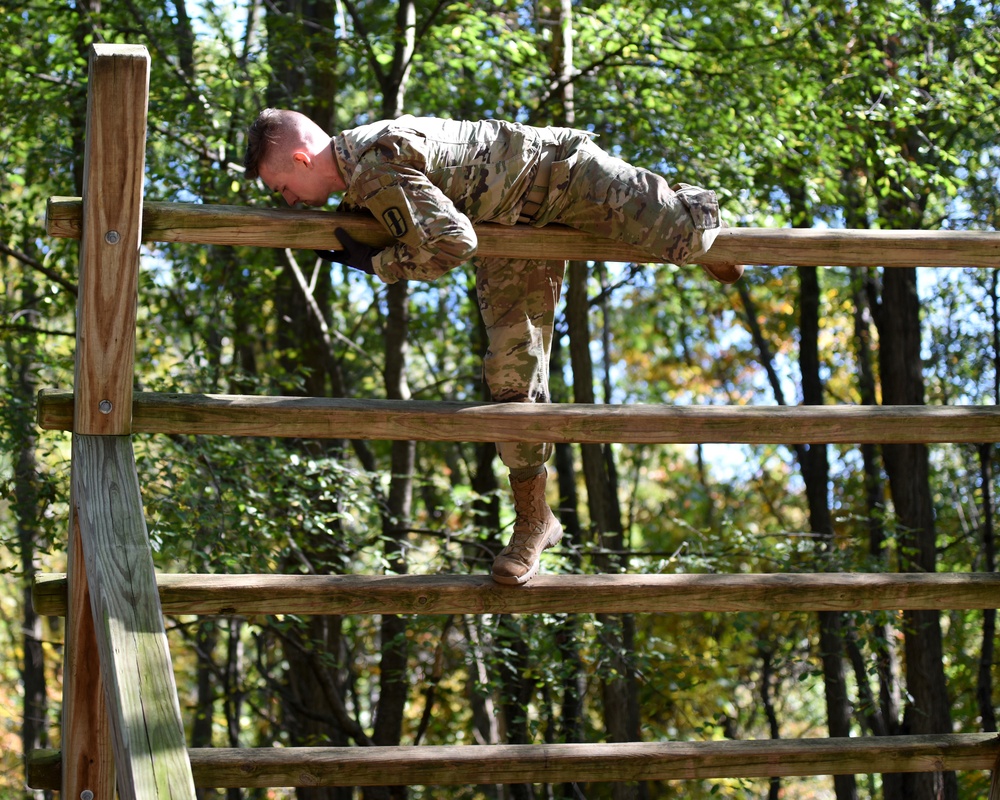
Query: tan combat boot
{"x": 723, "y": 273}
{"x": 535, "y": 529}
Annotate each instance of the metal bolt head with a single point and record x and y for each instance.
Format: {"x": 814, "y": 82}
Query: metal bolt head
{"x": 105, "y": 408}
{"x": 86, "y": 794}
{"x": 112, "y": 237}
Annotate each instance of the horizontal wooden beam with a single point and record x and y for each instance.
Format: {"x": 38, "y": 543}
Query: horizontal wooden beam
{"x": 607, "y": 594}
{"x": 343, "y": 418}
{"x": 817, "y": 247}
{"x": 560, "y": 763}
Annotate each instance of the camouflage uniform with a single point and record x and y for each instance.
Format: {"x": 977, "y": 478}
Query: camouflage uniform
{"x": 430, "y": 180}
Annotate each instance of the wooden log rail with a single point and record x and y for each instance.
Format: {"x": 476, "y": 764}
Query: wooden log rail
{"x": 340, "y": 418}
{"x": 267, "y": 227}
{"x": 598, "y": 594}
{"x": 430, "y": 765}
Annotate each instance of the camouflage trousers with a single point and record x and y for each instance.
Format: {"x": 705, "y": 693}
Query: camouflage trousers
{"x": 517, "y": 299}
{"x": 599, "y": 194}
{"x": 605, "y": 196}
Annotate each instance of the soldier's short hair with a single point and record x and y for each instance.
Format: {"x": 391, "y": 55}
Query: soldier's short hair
{"x": 270, "y": 127}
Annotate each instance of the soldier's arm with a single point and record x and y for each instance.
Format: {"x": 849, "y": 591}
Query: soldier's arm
{"x": 432, "y": 236}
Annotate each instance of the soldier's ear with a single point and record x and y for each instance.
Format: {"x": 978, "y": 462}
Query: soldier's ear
{"x": 302, "y": 157}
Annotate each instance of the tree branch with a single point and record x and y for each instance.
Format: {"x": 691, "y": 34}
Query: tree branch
{"x": 362, "y": 31}
{"x": 28, "y": 261}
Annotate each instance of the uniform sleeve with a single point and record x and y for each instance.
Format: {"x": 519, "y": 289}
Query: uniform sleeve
{"x": 432, "y": 236}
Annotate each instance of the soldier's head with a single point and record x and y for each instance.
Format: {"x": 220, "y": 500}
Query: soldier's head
{"x": 293, "y": 156}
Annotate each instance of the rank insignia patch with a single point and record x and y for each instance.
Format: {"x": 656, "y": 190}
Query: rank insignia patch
{"x": 394, "y": 221}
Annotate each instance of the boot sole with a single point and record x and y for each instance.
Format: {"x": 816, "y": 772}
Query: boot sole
{"x": 719, "y": 279}
{"x": 509, "y": 580}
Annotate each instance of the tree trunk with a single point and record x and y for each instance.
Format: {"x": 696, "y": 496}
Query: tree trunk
{"x": 480, "y": 695}
{"x": 574, "y": 684}
{"x": 486, "y": 508}
{"x": 203, "y": 641}
{"x": 816, "y": 474}
{"x": 289, "y": 40}
{"x": 516, "y": 690}
{"x": 813, "y": 462}
{"x": 311, "y": 680}
{"x": 232, "y": 693}
{"x": 904, "y": 205}
{"x": 908, "y": 468}
{"x": 27, "y": 519}
{"x": 393, "y": 673}
{"x": 767, "y": 700}
{"x": 621, "y": 715}
{"x": 293, "y": 82}
{"x": 883, "y": 634}
{"x": 984, "y": 682}
{"x": 205, "y": 637}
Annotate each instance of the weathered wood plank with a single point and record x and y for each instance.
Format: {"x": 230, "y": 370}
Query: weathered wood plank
{"x": 263, "y": 227}
{"x": 558, "y": 763}
{"x": 607, "y": 594}
{"x": 147, "y": 732}
{"x": 335, "y": 418}
{"x": 114, "y": 163}
{"x": 89, "y": 763}
{"x": 603, "y": 762}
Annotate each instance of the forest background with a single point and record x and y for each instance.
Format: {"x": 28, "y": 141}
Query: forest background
{"x": 857, "y": 114}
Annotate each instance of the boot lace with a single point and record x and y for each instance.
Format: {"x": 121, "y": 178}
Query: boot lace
{"x": 527, "y": 531}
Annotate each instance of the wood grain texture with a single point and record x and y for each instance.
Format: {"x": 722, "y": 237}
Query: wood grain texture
{"x": 558, "y": 763}
{"x": 335, "y": 418}
{"x": 608, "y": 594}
{"x": 263, "y": 227}
{"x": 111, "y": 215}
{"x": 88, "y": 759}
{"x": 147, "y": 732}
{"x": 114, "y": 163}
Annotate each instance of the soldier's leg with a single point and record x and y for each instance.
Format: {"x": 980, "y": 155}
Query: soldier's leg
{"x": 611, "y": 198}
{"x": 517, "y": 299}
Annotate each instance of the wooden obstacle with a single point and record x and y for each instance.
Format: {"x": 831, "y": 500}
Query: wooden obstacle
{"x": 805, "y": 247}
{"x": 578, "y": 594}
{"x": 125, "y": 713}
{"x": 331, "y": 418}
{"x": 563, "y": 763}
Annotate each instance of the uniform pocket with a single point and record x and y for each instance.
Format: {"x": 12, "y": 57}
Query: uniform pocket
{"x": 483, "y": 293}
{"x": 702, "y": 204}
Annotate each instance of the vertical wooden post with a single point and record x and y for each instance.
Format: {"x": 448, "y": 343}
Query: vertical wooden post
{"x": 113, "y": 168}
{"x": 143, "y": 715}
{"x": 115, "y": 152}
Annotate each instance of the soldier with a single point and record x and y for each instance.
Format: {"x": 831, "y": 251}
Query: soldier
{"x": 429, "y": 181}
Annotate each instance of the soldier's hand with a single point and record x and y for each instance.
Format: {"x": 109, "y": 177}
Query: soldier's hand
{"x": 355, "y": 254}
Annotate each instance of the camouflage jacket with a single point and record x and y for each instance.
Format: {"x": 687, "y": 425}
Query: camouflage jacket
{"x": 428, "y": 180}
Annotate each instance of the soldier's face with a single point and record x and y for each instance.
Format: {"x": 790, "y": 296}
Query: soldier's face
{"x": 299, "y": 183}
